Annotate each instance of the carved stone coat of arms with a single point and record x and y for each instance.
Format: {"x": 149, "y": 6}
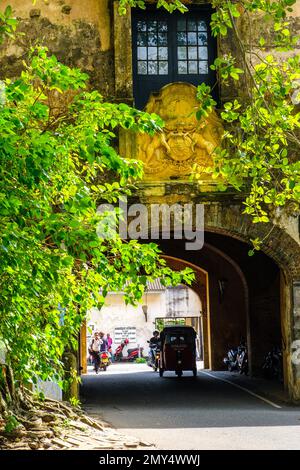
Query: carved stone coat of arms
{"x": 184, "y": 141}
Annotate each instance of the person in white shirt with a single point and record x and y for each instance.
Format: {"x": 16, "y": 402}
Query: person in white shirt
{"x": 94, "y": 350}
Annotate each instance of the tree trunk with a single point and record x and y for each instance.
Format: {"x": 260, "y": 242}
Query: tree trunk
{"x": 8, "y": 396}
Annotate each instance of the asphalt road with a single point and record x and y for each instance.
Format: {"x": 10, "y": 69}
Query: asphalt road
{"x": 188, "y": 413}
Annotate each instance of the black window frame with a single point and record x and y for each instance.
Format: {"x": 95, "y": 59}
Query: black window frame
{"x": 144, "y": 85}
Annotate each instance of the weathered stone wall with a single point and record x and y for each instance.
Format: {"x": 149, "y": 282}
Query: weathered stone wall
{"x": 92, "y": 36}
{"x": 78, "y": 33}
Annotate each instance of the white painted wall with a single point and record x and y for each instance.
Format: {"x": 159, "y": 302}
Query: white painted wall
{"x": 115, "y": 313}
{"x": 50, "y": 389}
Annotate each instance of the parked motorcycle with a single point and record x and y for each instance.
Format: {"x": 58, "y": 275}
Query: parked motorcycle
{"x": 242, "y": 359}
{"x": 273, "y": 364}
{"x": 237, "y": 359}
{"x": 231, "y": 359}
{"x": 119, "y": 351}
{"x": 132, "y": 354}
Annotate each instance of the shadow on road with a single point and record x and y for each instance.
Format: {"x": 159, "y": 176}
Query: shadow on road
{"x": 143, "y": 399}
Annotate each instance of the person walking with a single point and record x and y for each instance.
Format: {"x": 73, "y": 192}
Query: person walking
{"x": 103, "y": 347}
{"x": 94, "y": 350}
{"x": 109, "y": 346}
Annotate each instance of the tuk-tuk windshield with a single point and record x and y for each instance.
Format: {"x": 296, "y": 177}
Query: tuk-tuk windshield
{"x": 173, "y": 338}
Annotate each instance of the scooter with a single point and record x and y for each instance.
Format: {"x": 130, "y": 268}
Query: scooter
{"x": 104, "y": 360}
{"x": 237, "y": 359}
{"x": 132, "y": 354}
{"x": 119, "y": 351}
{"x": 242, "y": 359}
{"x": 101, "y": 361}
{"x": 231, "y": 359}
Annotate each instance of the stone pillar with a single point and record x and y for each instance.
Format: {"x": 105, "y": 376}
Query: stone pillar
{"x": 83, "y": 349}
{"x": 295, "y": 395}
{"x": 70, "y": 362}
{"x": 204, "y": 296}
{"x": 290, "y": 325}
{"x": 123, "y": 55}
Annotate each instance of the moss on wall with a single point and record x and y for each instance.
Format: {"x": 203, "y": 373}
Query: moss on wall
{"x": 78, "y": 33}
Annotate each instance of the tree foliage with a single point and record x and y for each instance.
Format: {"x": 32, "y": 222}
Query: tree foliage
{"x": 169, "y": 5}
{"x": 58, "y": 162}
{"x": 260, "y": 148}
{"x": 8, "y": 24}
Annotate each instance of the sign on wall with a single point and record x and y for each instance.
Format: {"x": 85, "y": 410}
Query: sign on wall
{"x": 125, "y": 332}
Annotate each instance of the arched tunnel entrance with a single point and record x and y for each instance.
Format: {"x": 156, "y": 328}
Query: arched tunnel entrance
{"x": 240, "y": 298}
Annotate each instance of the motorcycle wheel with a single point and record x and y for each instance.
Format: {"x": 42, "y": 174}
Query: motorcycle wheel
{"x": 178, "y": 373}
{"x": 104, "y": 368}
{"x": 195, "y": 372}
{"x": 161, "y": 372}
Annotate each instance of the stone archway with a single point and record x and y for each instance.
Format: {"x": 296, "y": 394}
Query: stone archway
{"x": 279, "y": 247}
{"x": 284, "y": 250}
{"x": 277, "y": 243}
{"x": 225, "y": 220}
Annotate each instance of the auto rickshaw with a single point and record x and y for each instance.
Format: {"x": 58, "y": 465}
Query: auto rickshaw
{"x": 178, "y": 350}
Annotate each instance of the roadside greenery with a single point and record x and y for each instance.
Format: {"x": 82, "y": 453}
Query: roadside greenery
{"x": 141, "y": 360}
{"x": 259, "y": 155}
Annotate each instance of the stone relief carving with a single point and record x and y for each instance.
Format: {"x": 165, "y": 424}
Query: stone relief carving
{"x": 184, "y": 141}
